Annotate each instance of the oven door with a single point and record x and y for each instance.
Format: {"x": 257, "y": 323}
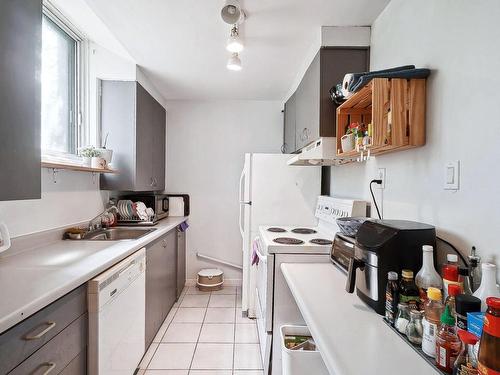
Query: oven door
{"x": 264, "y": 286}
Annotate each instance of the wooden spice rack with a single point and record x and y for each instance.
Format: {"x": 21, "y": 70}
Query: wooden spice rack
{"x": 396, "y": 109}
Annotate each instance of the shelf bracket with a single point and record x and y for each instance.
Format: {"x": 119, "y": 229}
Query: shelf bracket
{"x": 55, "y": 171}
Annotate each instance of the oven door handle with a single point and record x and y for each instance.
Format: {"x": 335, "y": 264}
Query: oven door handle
{"x": 351, "y": 273}
{"x": 262, "y": 258}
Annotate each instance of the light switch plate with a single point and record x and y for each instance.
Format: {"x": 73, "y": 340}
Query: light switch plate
{"x": 452, "y": 175}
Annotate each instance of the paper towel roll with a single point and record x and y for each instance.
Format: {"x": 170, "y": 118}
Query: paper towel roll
{"x": 346, "y": 83}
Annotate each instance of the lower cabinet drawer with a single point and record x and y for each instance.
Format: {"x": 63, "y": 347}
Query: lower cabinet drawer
{"x": 78, "y": 366}
{"x": 58, "y": 353}
{"x": 22, "y": 340}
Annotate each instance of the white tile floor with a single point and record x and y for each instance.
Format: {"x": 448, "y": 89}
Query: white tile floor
{"x": 205, "y": 334}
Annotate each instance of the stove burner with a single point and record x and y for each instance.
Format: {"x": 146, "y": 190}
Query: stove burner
{"x": 288, "y": 241}
{"x": 276, "y": 230}
{"x": 321, "y": 241}
{"x": 303, "y": 231}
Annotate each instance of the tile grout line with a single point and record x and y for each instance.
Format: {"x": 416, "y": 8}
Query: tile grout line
{"x": 199, "y": 333}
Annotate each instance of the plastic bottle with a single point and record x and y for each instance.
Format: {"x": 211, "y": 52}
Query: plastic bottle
{"x": 489, "y": 356}
{"x": 432, "y": 314}
{"x": 408, "y": 291}
{"x": 391, "y": 297}
{"x": 427, "y": 276}
{"x": 450, "y": 273}
{"x": 488, "y": 287}
{"x": 447, "y": 343}
{"x": 453, "y": 291}
{"x": 466, "y": 363}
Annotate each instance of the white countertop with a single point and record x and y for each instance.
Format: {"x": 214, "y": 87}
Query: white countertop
{"x": 33, "y": 279}
{"x": 351, "y": 337}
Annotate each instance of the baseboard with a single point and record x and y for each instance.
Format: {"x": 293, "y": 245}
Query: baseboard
{"x": 227, "y": 282}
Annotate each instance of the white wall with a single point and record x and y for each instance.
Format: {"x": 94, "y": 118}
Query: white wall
{"x": 458, "y": 40}
{"x": 206, "y": 144}
{"x": 73, "y": 199}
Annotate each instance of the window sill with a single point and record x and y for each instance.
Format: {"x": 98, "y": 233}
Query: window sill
{"x": 74, "y": 167}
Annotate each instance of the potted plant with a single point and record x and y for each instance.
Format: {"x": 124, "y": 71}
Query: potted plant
{"x": 347, "y": 140}
{"x": 91, "y": 157}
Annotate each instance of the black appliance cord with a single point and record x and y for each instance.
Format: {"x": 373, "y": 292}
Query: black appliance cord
{"x": 454, "y": 249}
{"x": 379, "y": 182}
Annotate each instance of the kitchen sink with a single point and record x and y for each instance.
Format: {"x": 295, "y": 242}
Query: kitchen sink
{"x": 117, "y": 234}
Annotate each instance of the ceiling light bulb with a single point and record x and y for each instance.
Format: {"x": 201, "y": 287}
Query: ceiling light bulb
{"x": 234, "y": 62}
{"x": 234, "y": 43}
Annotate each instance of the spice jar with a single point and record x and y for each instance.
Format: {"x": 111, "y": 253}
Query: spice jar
{"x": 403, "y": 317}
{"x": 414, "y": 329}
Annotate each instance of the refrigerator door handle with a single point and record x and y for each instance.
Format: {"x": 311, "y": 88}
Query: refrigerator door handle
{"x": 241, "y": 192}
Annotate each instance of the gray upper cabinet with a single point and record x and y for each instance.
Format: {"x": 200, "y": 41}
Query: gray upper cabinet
{"x": 309, "y": 113}
{"x": 20, "y": 90}
{"x": 135, "y": 122}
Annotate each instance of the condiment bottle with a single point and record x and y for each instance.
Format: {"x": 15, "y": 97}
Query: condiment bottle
{"x": 465, "y": 304}
{"x": 489, "y": 348}
{"x": 427, "y": 276}
{"x": 408, "y": 291}
{"x": 450, "y": 273}
{"x": 488, "y": 287}
{"x": 447, "y": 343}
{"x": 453, "y": 291}
{"x": 391, "y": 297}
{"x": 432, "y": 315}
{"x": 466, "y": 363}
{"x": 414, "y": 329}
{"x": 403, "y": 318}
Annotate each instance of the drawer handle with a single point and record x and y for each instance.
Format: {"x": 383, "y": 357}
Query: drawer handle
{"x": 50, "y": 325}
{"x": 51, "y": 366}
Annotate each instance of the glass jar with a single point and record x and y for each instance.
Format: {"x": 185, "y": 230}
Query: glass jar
{"x": 489, "y": 360}
{"x": 414, "y": 329}
{"x": 403, "y": 317}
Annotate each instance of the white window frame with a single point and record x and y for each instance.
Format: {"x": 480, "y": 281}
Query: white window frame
{"x": 80, "y": 117}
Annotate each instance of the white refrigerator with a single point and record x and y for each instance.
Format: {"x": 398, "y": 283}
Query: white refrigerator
{"x": 272, "y": 193}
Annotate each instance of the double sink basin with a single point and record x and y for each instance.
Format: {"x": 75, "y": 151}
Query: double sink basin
{"x": 116, "y": 234}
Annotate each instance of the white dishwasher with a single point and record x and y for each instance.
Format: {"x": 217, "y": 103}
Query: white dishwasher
{"x": 116, "y": 305}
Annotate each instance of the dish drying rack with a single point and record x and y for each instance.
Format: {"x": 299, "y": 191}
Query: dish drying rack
{"x": 136, "y": 221}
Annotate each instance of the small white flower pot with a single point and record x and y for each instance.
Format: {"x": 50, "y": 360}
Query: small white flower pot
{"x": 98, "y": 163}
{"x": 86, "y": 161}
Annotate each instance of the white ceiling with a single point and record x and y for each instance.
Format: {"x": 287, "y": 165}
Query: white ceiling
{"x": 181, "y": 44}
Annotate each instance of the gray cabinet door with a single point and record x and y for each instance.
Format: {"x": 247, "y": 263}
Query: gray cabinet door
{"x": 181, "y": 262}
{"x": 118, "y": 112}
{"x": 307, "y": 105}
{"x": 135, "y": 122}
{"x": 161, "y": 264}
{"x": 290, "y": 121}
{"x": 145, "y": 117}
{"x": 20, "y": 111}
{"x": 158, "y": 149}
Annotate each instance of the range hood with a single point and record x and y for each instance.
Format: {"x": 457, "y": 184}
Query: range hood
{"x": 320, "y": 152}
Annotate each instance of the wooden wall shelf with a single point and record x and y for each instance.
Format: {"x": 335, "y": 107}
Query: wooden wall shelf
{"x": 75, "y": 167}
{"x": 395, "y": 108}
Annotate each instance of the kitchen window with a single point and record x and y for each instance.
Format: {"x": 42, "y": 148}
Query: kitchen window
{"x": 62, "y": 86}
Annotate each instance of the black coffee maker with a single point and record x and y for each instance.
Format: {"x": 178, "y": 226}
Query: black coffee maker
{"x": 382, "y": 246}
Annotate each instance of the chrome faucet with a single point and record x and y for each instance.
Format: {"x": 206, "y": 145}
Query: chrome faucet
{"x": 98, "y": 225}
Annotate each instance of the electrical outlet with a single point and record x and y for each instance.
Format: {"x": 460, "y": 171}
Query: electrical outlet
{"x": 381, "y": 176}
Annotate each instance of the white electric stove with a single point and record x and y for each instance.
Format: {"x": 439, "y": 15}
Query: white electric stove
{"x": 277, "y": 244}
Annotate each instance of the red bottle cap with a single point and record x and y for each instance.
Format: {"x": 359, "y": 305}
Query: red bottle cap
{"x": 493, "y": 302}
{"x": 454, "y": 289}
{"x": 467, "y": 337}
